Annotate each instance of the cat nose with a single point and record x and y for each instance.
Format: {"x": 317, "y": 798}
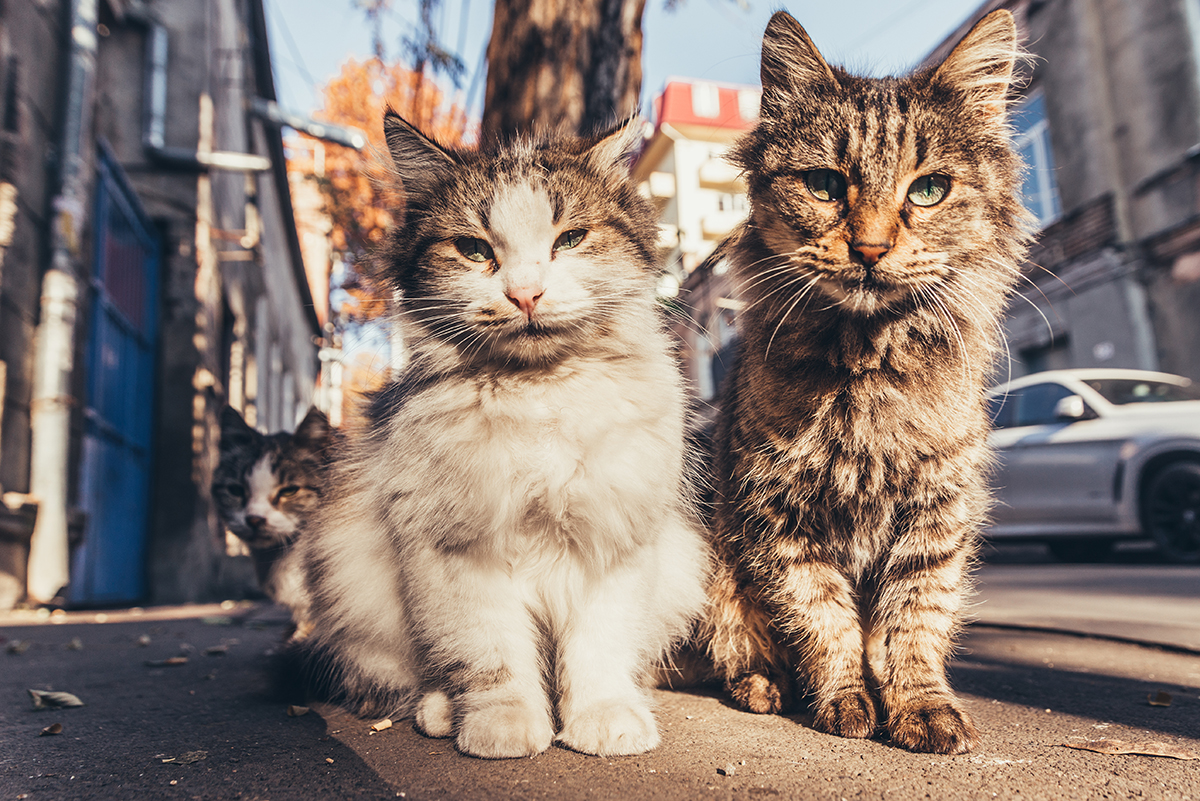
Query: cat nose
{"x": 525, "y": 298}
{"x": 255, "y": 521}
{"x": 870, "y": 253}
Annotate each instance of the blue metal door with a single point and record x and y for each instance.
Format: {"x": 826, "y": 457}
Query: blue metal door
{"x": 109, "y": 566}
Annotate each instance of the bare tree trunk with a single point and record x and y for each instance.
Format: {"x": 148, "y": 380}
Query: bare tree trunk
{"x": 563, "y": 64}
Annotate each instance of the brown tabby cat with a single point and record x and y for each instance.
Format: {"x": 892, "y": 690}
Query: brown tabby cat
{"x": 884, "y": 236}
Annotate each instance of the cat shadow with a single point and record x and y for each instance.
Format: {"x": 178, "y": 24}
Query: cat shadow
{"x": 1094, "y": 695}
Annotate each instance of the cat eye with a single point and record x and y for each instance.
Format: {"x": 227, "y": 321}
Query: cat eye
{"x": 235, "y": 490}
{"x": 288, "y": 491}
{"x": 928, "y": 190}
{"x": 825, "y": 184}
{"x": 474, "y": 249}
{"x": 569, "y": 239}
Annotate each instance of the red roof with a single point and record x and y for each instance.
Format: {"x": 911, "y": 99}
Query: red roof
{"x": 677, "y": 105}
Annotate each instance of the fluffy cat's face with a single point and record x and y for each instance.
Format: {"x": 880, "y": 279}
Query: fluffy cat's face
{"x": 519, "y": 255}
{"x": 878, "y": 192}
{"x": 266, "y": 485}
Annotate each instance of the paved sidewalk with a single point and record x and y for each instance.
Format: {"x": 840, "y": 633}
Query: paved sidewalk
{"x": 208, "y": 728}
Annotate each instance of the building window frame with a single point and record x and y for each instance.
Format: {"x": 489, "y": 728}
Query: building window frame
{"x": 1031, "y": 140}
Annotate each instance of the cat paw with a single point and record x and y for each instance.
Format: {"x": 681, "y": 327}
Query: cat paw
{"x": 758, "y": 693}
{"x": 851, "y": 714}
{"x": 435, "y": 715}
{"x": 934, "y": 727}
{"x": 614, "y": 728}
{"x": 504, "y": 731}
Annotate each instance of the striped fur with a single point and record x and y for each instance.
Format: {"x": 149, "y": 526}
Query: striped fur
{"x": 850, "y": 451}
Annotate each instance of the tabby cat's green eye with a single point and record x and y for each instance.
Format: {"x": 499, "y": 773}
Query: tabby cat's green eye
{"x": 569, "y": 239}
{"x": 288, "y": 491}
{"x": 474, "y": 249}
{"x": 825, "y": 184}
{"x": 928, "y": 190}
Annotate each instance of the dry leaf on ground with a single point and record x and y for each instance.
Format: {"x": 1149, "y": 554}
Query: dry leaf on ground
{"x": 1159, "y": 698}
{"x": 1115, "y": 747}
{"x": 174, "y": 661}
{"x": 188, "y": 758}
{"x": 52, "y": 700}
{"x": 296, "y": 711}
{"x": 386, "y": 723}
{"x": 53, "y": 728}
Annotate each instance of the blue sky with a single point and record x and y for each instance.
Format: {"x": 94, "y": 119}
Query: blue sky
{"x": 716, "y": 40}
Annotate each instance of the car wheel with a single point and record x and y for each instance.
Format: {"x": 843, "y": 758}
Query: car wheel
{"x": 1171, "y": 511}
{"x": 1081, "y": 549}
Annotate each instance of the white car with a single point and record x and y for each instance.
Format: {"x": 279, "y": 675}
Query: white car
{"x": 1088, "y": 457}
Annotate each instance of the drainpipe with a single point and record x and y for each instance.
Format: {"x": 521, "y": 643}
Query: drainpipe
{"x": 50, "y": 413}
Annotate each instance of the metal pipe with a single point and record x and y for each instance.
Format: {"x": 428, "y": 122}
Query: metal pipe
{"x": 50, "y": 412}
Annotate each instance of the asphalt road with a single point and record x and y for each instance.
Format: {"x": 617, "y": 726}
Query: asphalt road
{"x": 209, "y": 728}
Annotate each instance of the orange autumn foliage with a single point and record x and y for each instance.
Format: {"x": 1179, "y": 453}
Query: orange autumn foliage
{"x": 354, "y": 184}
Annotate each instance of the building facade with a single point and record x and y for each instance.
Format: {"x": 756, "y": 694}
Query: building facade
{"x": 701, "y": 197}
{"x": 1106, "y": 116}
{"x": 151, "y": 274}
{"x": 1108, "y": 123}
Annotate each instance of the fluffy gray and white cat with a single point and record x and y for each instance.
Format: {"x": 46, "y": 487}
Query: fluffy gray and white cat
{"x": 508, "y": 547}
{"x": 265, "y": 486}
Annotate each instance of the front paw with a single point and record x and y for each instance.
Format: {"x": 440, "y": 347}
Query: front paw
{"x": 850, "y": 714}
{"x": 934, "y": 726}
{"x": 759, "y": 693}
{"x": 613, "y": 728}
{"x": 505, "y": 730}
{"x": 435, "y": 715}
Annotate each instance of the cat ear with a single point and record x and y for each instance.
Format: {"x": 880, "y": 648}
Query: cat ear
{"x": 981, "y": 66}
{"x": 418, "y": 159}
{"x": 314, "y": 430}
{"x": 617, "y": 145}
{"x": 790, "y": 60}
{"x": 234, "y": 428}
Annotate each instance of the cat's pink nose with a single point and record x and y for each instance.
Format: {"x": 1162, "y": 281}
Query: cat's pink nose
{"x": 255, "y": 521}
{"x": 525, "y": 298}
{"x": 870, "y": 253}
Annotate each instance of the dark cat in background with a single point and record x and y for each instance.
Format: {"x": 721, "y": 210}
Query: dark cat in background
{"x": 265, "y": 487}
{"x": 885, "y": 234}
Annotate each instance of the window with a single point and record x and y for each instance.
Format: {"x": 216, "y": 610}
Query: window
{"x": 1034, "y": 406}
{"x": 1032, "y": 143}
{"x": 706, "y": 100}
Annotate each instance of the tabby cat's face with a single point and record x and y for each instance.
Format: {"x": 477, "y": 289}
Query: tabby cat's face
{"x": 520, "y": 254}
{"x": 266, "y": 485}
{"x": 881, "y": 192}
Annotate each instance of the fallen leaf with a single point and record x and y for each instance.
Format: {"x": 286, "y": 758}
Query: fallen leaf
{"x": 188, "y": 758}
{"x": 53, "y": 728}
{"x": 1159, "y": 699}
{"x": 296, "y": 711}
{"x": 329, "y": 760}
{"x": 75, "y": 644}
{"x": 18, "y": 647}
{"x": 1159, "y": 749}
{"x": 216, "y": 650}
{"x": 386, "y": 723}
{"x": 174, "y": 661}
{"x": 50, "y": 700}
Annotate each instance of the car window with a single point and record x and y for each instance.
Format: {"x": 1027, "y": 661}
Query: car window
{"x": 1035, "y": 404}
{"x": 1120, "y": 391}
{"x": 1000, "y": 410}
